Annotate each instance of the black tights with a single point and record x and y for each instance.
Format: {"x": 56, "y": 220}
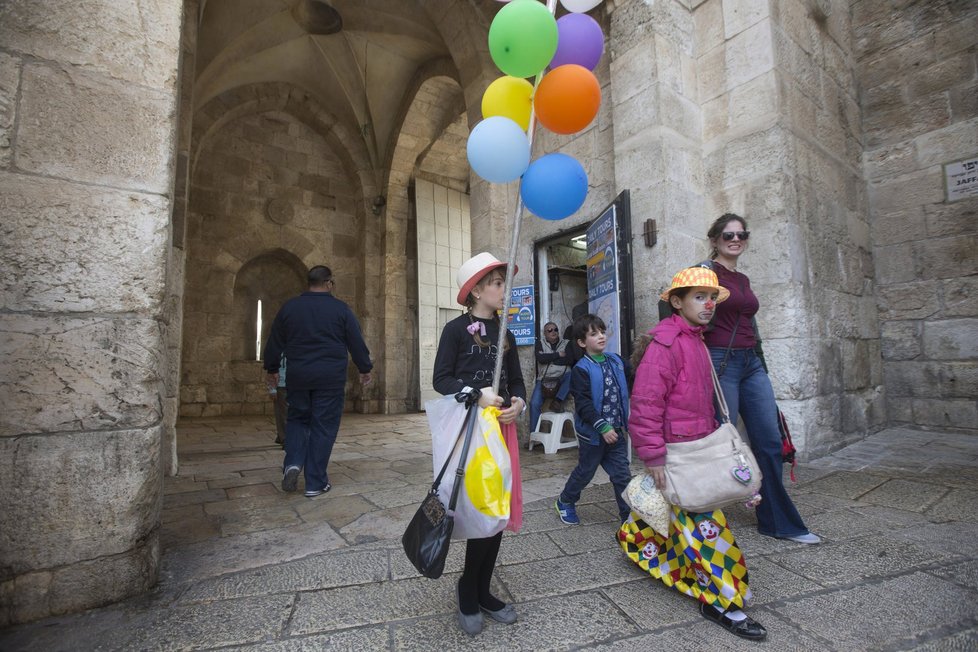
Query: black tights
{"x": 473, "y": 586}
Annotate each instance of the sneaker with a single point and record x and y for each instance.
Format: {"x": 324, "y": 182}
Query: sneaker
{"x": 567, "y": 513}
{"x": 312, "y": 493}
{"x": 808, "y": 537}
{"x": 291, "y": 479}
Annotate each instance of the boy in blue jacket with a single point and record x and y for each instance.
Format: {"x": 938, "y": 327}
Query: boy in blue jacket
{"x": 601, "y": 413}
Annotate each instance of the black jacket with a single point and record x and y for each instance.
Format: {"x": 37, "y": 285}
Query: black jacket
{"x": 316, "y": 331}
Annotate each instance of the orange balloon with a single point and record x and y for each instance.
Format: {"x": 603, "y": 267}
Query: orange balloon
{"x": 567, "y": 99}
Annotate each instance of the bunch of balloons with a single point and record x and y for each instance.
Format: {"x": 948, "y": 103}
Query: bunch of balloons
{"x": 524, "y": 40}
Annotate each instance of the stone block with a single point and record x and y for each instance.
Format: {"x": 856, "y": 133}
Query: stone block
{"x": 959, "y": 297}
{"x": 61, "y": 373}
{"x": 948, "y": 257}
{"x": 711, "y": 73}
{"x": 894, "y": 264}
{"x": 957, "y": 35}
{"x": 900, "y": 340}
{"x": 894, "y": 227}
{"x": 917, "y": 300}
{"x": 951, "y": 143}
{"x": 942, "y": 75}
{"x": 945, "y": 413}
{"x": 927, "y": 379}
{"x": 78, "y": 496}
{"x": 753, "y": 103}
{"x": 101, "y": 250}
{"x": 895, "y": 194}
{"x": 964, "y": 101}
{"x": 708, "y": 26}
{"x": 71, "y": 113}
{"x": 749, "y": 54}
{"x": 138, "y": 44}
{"x": 738, "y": 15}
{"x": 952, "y": 339}
{"x": 958, "y": 218}
{"x": 856, "y": 367}
{"x": 912, "y": 55}
{"x": 926, "y": 114}
{"x": 9, "y": 87}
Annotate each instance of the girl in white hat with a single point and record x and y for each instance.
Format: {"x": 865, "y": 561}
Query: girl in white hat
{"x": 464, "y": 366}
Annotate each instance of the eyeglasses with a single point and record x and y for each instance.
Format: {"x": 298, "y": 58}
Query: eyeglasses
{"x": 550, "y": 330}
{"x": 729, "y": 235}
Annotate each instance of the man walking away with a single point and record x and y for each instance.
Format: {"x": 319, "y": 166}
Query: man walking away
{"x": 317, "y": 332}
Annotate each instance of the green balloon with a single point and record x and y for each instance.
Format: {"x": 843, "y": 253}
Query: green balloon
{"x": 523, "y": 38}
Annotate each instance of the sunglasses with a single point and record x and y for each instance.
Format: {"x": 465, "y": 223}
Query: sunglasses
{"x": 550, "y": 330}
{"x": 729, "y": 235}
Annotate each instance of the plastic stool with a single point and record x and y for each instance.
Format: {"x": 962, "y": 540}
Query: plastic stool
{"x": 551, "y": 437}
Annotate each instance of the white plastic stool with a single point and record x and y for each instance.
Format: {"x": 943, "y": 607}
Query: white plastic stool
{"x": 551, "y": 438}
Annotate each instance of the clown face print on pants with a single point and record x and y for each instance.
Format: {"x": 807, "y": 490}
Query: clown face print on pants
{"x": 649, "y": 551}
{"x": 701, "y": 577}
{"x": 708, "y": 529}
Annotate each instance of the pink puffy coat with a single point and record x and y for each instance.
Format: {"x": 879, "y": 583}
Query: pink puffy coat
{"x": 672, "y": 400}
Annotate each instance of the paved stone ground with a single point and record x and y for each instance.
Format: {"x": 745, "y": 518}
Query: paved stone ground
{"x": 249, "y": 567}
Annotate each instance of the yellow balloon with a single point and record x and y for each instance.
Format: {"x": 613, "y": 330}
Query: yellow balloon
{"x": 510, "y": 97}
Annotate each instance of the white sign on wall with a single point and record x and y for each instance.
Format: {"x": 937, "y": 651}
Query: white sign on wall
{"x": 961, "y": 179}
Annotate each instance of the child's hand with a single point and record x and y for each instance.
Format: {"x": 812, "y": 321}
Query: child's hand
{"x": 610, "y": 436}
{"x": 658, "y": 474}
{"x": 508, "y": 415}
{"x": 490, "y": 397}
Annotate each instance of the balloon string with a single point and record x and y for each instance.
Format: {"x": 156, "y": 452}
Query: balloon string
{"x": 517, "y": 221}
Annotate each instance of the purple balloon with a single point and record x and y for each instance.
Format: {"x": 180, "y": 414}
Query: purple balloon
{"x": 579, "y": 41}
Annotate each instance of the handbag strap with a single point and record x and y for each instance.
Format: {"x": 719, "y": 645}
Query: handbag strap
{"x": 724, "y": 411}
{"x": 460, "y": 472}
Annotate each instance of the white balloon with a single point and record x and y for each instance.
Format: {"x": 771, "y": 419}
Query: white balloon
{"x": 579, "y": 6}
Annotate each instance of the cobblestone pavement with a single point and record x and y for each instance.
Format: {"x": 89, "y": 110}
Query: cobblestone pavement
{"x": 248, "y": 567}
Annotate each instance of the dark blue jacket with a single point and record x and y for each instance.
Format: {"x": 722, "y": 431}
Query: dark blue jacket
{"x": 316, "y": 331}
{"x": 587, "y": 386}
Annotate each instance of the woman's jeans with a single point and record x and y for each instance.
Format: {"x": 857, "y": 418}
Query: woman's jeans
{"x": 748, "y": 392}
{"x": 536, "y": 399}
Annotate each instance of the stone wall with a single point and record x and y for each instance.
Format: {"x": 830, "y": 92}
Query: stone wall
{"x": 917, "y": 77}
{"x": 87, "y": 111}
{"x": 268, "y": 200}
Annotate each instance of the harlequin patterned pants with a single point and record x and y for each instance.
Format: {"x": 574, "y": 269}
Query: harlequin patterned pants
{"x": 700, "y": 558}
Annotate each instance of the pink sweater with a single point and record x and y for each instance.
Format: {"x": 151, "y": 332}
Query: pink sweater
{"x": 672, "y": 399}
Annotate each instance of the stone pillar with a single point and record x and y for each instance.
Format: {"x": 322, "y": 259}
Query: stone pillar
{"x": 657, "y": 126}
{"x": 919, "y": 89}
{"x": 87, "y": 132}
{"x": 782, "y": 146}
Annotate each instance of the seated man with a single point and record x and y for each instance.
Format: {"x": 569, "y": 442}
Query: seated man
{"x": 552, "y": 357}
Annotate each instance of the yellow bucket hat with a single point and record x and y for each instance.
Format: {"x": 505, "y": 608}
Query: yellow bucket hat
{"x": 696, "y": 277}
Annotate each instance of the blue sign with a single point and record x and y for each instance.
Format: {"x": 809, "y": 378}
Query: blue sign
{"x": 602, "y": 275}
{"x": 520, "y": 320}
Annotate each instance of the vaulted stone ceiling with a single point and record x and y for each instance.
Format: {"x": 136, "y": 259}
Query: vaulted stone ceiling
{"x": 360, "y": 74}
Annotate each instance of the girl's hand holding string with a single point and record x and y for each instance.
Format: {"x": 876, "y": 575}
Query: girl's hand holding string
{"x": 509, "y": 415}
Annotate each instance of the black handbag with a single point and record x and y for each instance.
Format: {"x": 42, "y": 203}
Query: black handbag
{"x": 428, "y": 534}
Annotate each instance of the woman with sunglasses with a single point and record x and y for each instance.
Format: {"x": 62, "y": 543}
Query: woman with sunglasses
{"x": 743, "y": 377}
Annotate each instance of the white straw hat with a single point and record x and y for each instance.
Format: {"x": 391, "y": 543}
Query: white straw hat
{"x": 472, "y": 271}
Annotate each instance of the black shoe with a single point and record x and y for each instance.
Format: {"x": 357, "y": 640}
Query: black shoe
{"x": 747, "y": 628}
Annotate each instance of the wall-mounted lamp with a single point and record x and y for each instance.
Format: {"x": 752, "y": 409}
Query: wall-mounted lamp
{"x": 650, "y": 233}
{"x": 378, "y": 204}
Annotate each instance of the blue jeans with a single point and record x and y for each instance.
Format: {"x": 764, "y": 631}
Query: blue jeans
{"x": 613, "y": 458}
{"x": 314, "y": 420}
{"x": 536, "y": 399}
{"x": 748, "y": 392}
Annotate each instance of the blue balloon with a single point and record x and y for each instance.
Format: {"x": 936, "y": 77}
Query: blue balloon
{"x": 498, "y": 150}
{"x": 554, "y": 186}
